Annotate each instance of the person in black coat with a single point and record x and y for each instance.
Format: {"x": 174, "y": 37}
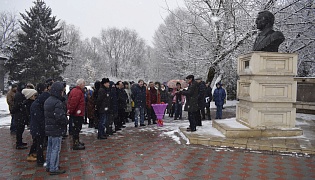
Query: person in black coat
{"x": 122, "y": 104}
{"x": 55, "y": 126}
{"x": 37, "y": 127}
{"x": 191, "y": 102}
{"x": 138, "y": 95}
{"x": 208, "y": 98}
{"x": 20, "y": 115}
{"x": 113, "y": 110}
{"x": 164, "y": 94}
{"x": 201, "y": 101}
{"x": 103, "y": 107}
{"x": 30, "y": 95}
{"x": 97, "y": 86}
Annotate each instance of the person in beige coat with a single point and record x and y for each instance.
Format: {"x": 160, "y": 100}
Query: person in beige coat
{"x": 10, "y": 101}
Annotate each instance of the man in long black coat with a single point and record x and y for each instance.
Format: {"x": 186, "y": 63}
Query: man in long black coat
{"x": 20, "y": 115}
{"x": 37, "y": 126}
{"x": 122, "y": 104}
{"x": 191, "y": 102}
{"x": 208, "y": 97}
{"x": 201, "y": 101}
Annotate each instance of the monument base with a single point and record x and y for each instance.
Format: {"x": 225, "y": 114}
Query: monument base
{"x": 233, "y": 129}
{"x": 264, "y": 115}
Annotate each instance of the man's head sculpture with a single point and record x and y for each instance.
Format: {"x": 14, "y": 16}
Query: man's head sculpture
{"x": 267, "y": 40}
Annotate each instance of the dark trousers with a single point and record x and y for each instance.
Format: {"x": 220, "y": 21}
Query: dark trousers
{"x": 114, "y": 119}
{"x": 192, "y": 120}
{"x": 198, "y": 118}
{"x": 12, "y": 126}
{"x": 70, "y": 125}
{"x": 132, "y": 114}
{"x": 91, "y": 123}
{"x": 208, "y": 113}
{"x": 96, "y": 119}
{"x": 219, "y": 112}
{"x": 37, "y": 147}
{"x": 172, "y": 110}
{"x": 77, "y": 126}
{"x": 103, "y": 118}
{"x": 111, "y": 119}
{"x": 203, "y": 113}
{"x": 120, "y": 118}
{"x": 178, "y": 110}
{"x": 151, "y": 115}
{"x": 127, "y": 114}
{"x": 19, "y": 132}
{"x": 85, "y": 115}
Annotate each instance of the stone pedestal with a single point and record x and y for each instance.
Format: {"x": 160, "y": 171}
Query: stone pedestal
{"x": 267, "y": 90}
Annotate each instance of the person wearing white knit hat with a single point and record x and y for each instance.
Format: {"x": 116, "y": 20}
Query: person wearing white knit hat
{"x": 29, "y": 93}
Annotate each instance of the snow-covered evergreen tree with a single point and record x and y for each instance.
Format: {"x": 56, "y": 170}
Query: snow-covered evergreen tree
{"x": 37, "y": 52}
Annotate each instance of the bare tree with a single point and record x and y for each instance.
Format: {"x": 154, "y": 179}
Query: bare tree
{"x": 125, "y": 52}
{"x": 71, "y": 34}
{"x": 296, "y": 19}
{"x": 218, "y": 31}
{"x": 177, "y": 49}
{"x": 9, "y": 27}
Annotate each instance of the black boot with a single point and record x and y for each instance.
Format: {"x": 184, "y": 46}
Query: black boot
{"x": 109, "y": 131}
{"x": 117, "y": 128}
{"x": 77, "y": 145}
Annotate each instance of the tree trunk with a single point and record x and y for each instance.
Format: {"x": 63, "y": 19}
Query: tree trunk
{"x": 211, "y": 73}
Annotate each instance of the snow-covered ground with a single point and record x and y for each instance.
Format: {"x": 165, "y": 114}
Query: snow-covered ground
{"x": 170, "y": 128}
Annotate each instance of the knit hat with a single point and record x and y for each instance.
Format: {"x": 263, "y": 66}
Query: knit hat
{"x": 28, "y": 93}
{"x": 104, "y": 80}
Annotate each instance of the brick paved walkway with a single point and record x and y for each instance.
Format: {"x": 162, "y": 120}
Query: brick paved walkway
{"x": 142, "y": 153}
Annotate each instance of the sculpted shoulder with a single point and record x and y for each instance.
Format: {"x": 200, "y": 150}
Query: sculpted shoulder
{"x": 277, "y": 35}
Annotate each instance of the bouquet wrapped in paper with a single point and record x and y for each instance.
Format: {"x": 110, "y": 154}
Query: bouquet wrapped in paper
{"x": 159, "y": 110}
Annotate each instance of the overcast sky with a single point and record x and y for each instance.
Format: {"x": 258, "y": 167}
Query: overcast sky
{"x": 91, "y": 16}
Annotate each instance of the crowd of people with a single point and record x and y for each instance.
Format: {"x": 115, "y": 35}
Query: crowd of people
{"x": 52, "y": 114}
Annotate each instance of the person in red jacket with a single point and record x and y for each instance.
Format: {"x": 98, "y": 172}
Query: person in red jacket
{"x": 153, "y": 96}
{"x": 76, "y": 110}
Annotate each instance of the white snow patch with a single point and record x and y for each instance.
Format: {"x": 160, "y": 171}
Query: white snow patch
{"x": 5, "y": 117}
{"x": 292, "y": 137}
{"x": 301, "y": 122}
{"x": 232, "y": 123}
{"x": 207, "y": 129}
{"x": 172, "y": 135}
{"x": 215, "y": 18}
{"x": 87, "y": 131}
{"x": 306, "y": 117}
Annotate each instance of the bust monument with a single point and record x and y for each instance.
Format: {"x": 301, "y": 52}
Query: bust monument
{"x": 267, "y": 40}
